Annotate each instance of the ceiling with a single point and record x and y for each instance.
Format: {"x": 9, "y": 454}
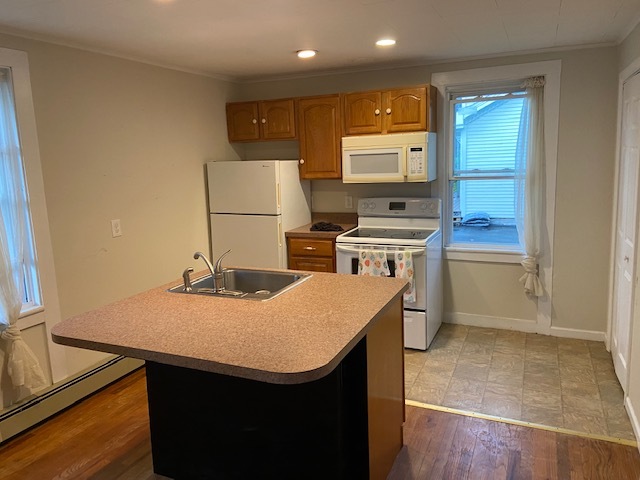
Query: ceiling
{"x": 247, "y": 40}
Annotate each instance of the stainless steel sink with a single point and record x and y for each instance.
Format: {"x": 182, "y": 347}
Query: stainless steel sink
{"x": 247, "y": 284}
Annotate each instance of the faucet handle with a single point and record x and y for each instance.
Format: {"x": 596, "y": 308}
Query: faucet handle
{"x": 218, "y": 267}
{"x": 187, "y": 280}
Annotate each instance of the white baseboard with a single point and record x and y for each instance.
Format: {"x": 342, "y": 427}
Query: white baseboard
{"x": 60, "y": 396}
{"x": 633, "y": 418}
{"x": 504, "y": 323}
{"x": 576, "y": 333}
{"x": 520, "y": 325}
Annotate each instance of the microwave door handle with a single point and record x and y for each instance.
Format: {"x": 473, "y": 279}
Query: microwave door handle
{"x": 405, "y": 159}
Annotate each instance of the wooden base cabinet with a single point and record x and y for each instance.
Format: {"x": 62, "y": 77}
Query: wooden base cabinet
{"x": 346, "y": 425}
{"x": 316, "y": 255}
{"x": 390, "y": 111}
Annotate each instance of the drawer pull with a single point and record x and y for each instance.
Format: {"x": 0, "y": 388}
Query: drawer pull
{"x": 310, "y": 248}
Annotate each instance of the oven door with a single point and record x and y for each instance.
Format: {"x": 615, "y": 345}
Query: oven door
{"x": 347, "y": 262}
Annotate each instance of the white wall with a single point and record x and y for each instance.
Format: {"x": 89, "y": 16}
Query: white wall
{"x": 121, "y": 139}
{"x": 586, "y": 152}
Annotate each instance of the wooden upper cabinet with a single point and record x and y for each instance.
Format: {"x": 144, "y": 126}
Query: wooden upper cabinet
{"x": 242, "y": 121}
{"x": 320, "y": 136}
{"x": 362, "y": 113}
{"x": 264, "y": 120}
{"x": 405, "y": 110}
{"x": 390, "y": 111}
{"x": 277, "y": 119}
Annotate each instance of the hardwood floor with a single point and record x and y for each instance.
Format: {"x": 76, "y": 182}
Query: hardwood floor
{"x": 106, "y": 436}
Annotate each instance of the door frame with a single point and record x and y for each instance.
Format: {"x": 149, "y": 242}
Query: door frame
{"x": 625, "y": 75}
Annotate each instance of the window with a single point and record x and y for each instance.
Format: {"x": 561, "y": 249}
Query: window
{"x": 15, "y": 227}
{"x": 485, "y": 131}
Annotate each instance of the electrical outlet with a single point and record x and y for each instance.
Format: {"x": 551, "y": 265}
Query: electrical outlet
{"x": 348, "y": 201}
{"x": 116, "y": 228}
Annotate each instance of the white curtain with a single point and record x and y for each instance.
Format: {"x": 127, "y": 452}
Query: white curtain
{"x": 529, "y": 184}
{"x": 22, "y": 365}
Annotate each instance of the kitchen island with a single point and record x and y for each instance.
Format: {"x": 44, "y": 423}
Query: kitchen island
{"x": 308, "y": 384}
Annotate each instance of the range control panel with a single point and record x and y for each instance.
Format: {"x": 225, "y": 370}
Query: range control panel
{"x": 411, "y": 207}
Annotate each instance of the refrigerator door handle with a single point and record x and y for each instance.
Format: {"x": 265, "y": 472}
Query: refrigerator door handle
{"x": 280, "y": 234}
{"x": 278, "y": 194}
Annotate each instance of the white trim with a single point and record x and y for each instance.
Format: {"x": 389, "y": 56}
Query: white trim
{"x": 552, "y": 72}
{"x": 591, "y": 335}
{"x": 635, "y": 424}
{"x": 519, "y": 325}
{"x": 487, "y": 256}
{"x": 19, "y": 64}
{"x": 485, "y": 321}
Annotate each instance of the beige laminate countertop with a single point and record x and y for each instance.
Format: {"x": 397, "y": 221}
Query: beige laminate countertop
{"x": 296, "y": 337}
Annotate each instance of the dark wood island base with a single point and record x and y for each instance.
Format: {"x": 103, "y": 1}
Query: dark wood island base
{"x": 345, "y": 425}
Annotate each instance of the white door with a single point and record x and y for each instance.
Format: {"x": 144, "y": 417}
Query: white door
{"x": 246, "y": 187}
{"x": 626, "y": 229}
{"x": 254, "y": 240}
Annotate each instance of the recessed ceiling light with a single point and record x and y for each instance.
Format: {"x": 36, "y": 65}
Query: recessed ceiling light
{"x": 386, "y": 42}
{"x": 306, "y": 53}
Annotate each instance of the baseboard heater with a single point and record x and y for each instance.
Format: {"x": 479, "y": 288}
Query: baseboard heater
{"x": 62, "y": 396}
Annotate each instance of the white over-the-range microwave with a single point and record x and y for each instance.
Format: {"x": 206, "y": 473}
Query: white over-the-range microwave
{"x": 398, "y": 157}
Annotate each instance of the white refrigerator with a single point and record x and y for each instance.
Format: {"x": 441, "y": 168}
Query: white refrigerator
{"x": 252, "y": 203}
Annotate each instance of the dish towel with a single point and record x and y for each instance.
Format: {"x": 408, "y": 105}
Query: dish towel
{"x": 373, "y": 262}
{"x": 404, "y": 269}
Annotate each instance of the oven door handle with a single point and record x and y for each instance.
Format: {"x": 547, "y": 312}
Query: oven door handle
{"x": 342, "y": 248}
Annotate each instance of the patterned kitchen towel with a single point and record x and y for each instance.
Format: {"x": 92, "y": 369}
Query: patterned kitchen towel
{"x": 373, "y": 262}
{"x": 404, "y": 269}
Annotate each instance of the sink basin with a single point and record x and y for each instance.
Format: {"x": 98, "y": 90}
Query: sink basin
{"x": 247, "y": 284}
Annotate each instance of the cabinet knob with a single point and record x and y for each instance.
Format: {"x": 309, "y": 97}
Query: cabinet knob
{"x": 264, "y": 120}
{"x": 388, "y": 111}
{"x": 301, "y": 161}
{"x": 254, "y": 121}
{"x": 309, "y": 248}
{"x": 377, "y": 111}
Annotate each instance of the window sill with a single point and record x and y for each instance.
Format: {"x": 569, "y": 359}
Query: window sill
{"x": 29, "y": 317}
{"x": 482, "y": 254}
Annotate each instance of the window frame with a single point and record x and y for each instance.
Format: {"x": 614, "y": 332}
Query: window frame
{"x": 491, "y": 77}
{"x": 47, "y": 309}
{"x": 32, "y": 290}
{"x": 473, "y": 89}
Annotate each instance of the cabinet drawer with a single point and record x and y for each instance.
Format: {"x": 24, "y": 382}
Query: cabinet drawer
{"x": 312, "y": 264}
{"x": 310, "y": 248}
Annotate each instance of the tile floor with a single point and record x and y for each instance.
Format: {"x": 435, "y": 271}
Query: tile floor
{"x": 547, "y": 380}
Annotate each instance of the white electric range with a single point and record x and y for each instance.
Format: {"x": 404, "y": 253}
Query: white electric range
{"x": 393, "y": 225}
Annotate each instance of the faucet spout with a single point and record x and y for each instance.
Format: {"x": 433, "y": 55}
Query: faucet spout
{"x": 201, "y": 255}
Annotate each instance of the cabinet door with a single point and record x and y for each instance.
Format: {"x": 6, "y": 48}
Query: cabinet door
{"x": 277, "y": 119}
{"x": 362, "y": 113}
{"x": 405, "y": 110}
{"x": 317, "y": 264}
{"x": 319, "y": 124}
{"x": 242, "y": 121}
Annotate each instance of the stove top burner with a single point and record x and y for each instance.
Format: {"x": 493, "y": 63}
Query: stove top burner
{"x": 389, "y": 233}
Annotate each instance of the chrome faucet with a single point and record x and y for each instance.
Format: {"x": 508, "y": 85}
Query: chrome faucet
{"x": 216, "y": 272}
